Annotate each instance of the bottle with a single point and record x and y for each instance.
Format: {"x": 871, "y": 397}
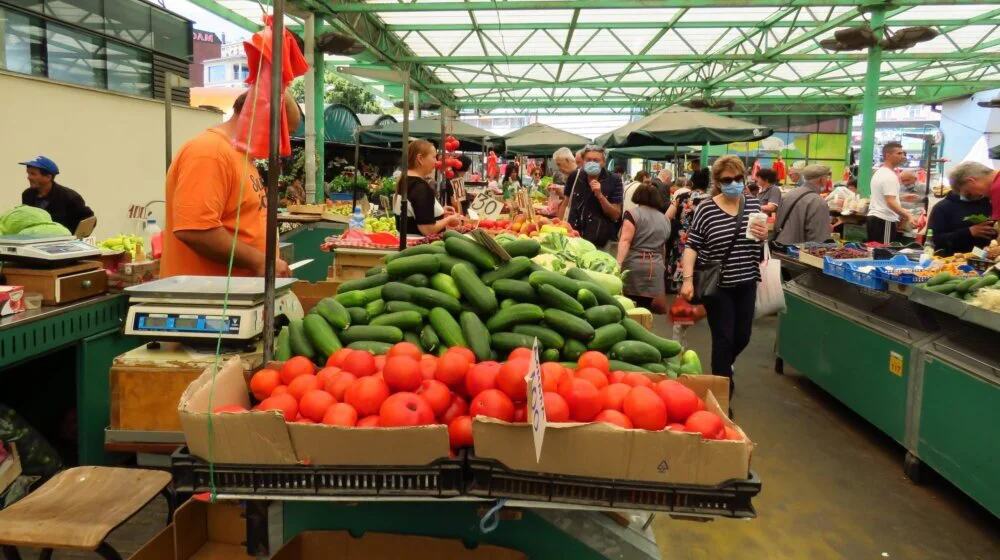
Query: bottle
{"x": 357, "y": 219}
{"x": 155, "y": 239}
{"x": 929, "y": 243}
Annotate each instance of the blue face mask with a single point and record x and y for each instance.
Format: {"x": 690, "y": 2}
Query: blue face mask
{"x": 733, "y": 190}
{"x": 592, "y": 168}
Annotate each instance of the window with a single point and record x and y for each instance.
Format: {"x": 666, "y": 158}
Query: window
{"x": 85, "y": 13}
{"x": 130, "y": 21}
{"x": 172, "y": 35}
{"x": 216, "y": 74}
{"x": 75, "y": 57}
{"x": 129, "y": 70}
{"x": 240, "y": 72}
{"x": 22, "y": 45}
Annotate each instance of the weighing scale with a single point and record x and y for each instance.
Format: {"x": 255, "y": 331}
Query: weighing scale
{"x": 45, "y": 250}
{"x": 189, "y": 309}
{"x": 53, "y": 267}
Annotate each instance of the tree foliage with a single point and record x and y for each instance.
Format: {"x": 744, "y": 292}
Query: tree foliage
{"x": 339, "y": 90}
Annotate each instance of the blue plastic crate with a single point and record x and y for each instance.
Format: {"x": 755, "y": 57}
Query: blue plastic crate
{"x": 847, "y": 270}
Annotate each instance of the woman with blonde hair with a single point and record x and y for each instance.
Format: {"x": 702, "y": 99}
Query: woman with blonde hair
{"x": 425, "y": 215}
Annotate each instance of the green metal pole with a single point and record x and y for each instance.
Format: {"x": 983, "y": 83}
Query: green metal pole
{"x": 317, "y": 111}
{"x": 866, "y": 161}
{"x": 704, "y": 154}
{"x": 850, "y": 144}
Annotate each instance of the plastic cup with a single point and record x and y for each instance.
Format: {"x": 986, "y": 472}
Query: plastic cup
{"x": 756, "y": 218}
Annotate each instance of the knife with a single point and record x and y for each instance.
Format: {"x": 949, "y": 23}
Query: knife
{"x": 299, "y": 264}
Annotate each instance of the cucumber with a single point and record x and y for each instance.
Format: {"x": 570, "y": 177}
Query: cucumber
{"x": 515, "y": 289}
{"x": 968, "y": 296}
{"x": 450, "y": 233}
{"x": 417, "y": 280}
{"x": 514, "y": 268}
{"x": 607, "y": 336}
{"x": 507, "y": 303}
{"x": 691, "y": 363}
{"x": 471, "y": 251}
{"x": 547, "y": 337}
{"x": 549, "y": 355}
{"x": 417, "y": 264}
{"x": 603, "y": 315}
{"x": 321, "y": 335}
{"x": 556, "y": 280}
{"x": 446, "y": 327}
{"x": 429, "y": 339}
{"x": 374, "y": 309}
{"x": 334, "y": 313}
{"x": 298, "y": 341}
{"x": 635, "y": 352}
{"x": 504, "y": 342}
{"x": 966, "y": 285}
{"x": 380, "y": 269}
{"x": 618, "y": 365}
{"x": 412, "y": 337}
{"x": 404, "y": 320}
{"x": 446, "y": 285}
{"x": 358, "y": 333}
{"x": 665, "y": 346}
{"x": 941, "y": 278}
{"x": 475, "y": 334}
{"x": 514, "y": 315}
{"x": 355, "y": 298}
{"x": 362, "y": 283}
{"x": 603, "y": 296}
{"x": 448, "y": 262}
{"x": 431, "y": 298}
{"x": 658, "y": 367}
{"x": 523, "y": 248}
{"x": 474, "y": 290}
{"x": 377, "y": 348}
{"x": 358, "y": 315}
{"x": 467, "y": 306}
{"x": 397, "y": 291}
{"x": 558, "y": 299}
{"x": 438, "y": 243}
{"x": 427, "y": 249}
{"x": 586, "y": 298}
{"x": 570, "y": 325}
{"x": 397, "y": 306}
{"x": 572, "y": 350}
{"x": 946, "y": 288}
{"x": 371, "y": 294}
{"x": 283, "y": 348}
{"x": 984, "y": 282}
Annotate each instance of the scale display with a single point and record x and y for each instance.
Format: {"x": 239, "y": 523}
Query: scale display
{"x": 178, "y": 323}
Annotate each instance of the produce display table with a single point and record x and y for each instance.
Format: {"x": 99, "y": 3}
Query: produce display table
{"x": 93, "y": 328}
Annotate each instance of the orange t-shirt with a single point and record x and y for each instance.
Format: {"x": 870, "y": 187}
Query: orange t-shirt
{"x": 203, "y": 188}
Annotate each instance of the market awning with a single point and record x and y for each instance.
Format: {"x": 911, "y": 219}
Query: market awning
{"x": 539, "y": 139}
{"x": 680, "y": 125}
{"x": 471, "y": 137}
{"x": 659, "y": 153}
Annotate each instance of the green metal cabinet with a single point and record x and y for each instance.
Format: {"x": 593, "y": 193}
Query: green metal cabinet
{"x": 307, "y": 240}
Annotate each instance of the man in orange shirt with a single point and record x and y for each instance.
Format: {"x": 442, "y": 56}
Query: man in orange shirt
{"x": 203, "y": 195}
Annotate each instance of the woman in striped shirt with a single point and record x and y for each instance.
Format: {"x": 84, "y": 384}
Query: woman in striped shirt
{"x": 730, "y": 312}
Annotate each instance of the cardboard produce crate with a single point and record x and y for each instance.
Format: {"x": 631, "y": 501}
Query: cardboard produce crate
{"x": 200, "y": 531}
{"x": 309, "y": 293}
{"x": 312, "y": 545}
{"x": 10, "y": 469}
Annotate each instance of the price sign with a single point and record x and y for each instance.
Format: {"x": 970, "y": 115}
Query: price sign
{"x": 491, "y": 245}
{"x": 384, "y": 200}
{"x": 536, "y": 401}
{"x": 896, "y": 364}
{"x": 137, "y": 212}
{"x": 487, "y": 207}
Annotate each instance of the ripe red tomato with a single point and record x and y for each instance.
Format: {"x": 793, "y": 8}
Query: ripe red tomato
{"x": 369, "y": 422}
{"x": 460, "y": 432}
{"x": 302, "y": 385}
{"x": 733, "y": 434}
{"x": 326, "y": 374}
{"x": 596, "y": 377}
{"x": 315, "y": 403}
{"x": 263, "y": 382}
{"x": 481, "y": 377}
{"x": 463, "y": 351}
{"x": 428, "y": 364}
{"x": 645, "y": 409}
{"x": 360, "y": 364}
{"x": 637, "y": 379}
{"x": 552, "y": 375}
{"x": 458, "y": 407}
{"x": 303, "y": 420}
{"x": 287, "y": 404}
{"x": 583, "y": 398}
{"x": 402, "y": 373}
{"x": 556, "y": 409}
{"x": 709, "y": 425}
{"x": 338, "y": 384}
{"x": 613, "y": 395}
{"x": 520, "y": 413}
{"x": 451, "y": 368}
{"x": 337, "y": 358}
{"x": 519, "y": 353}
{"x": 511, "y": 381}
{"x": 676, "y": 427}
{"x": 405, "y": 409}
{"x": 614, "y": 417}
{"x": 295, "y": 367}
{"x": 229, "y": 408}
{"x": 436, "y": 394}
{"x": 681, "y": 402}
{"x": 593, "y": 359}
{"x": 404, "y": 349}
{"x": 379, "y": 363}
{"x": 616, "y": 377}
{"x": 366, "y": 394}
{"x": 493, "y": 403}
{"x": 341, "y": 414}
{"x": 280, "y": 390}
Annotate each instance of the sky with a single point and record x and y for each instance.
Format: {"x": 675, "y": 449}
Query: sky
{"x": 203, "y": 19}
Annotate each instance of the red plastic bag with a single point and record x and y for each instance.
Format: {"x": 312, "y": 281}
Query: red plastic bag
{"x": 683, "y": 313}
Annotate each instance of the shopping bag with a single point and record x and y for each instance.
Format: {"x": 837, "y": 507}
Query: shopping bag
{"x": 770, "y": 295}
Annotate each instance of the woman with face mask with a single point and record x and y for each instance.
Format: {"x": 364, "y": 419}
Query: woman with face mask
{"x": 425, "y": 215}
{"x": 718, "y": 233}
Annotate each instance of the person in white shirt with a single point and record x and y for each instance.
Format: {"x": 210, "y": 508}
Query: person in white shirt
{"x": 885, "y": 211}
{"x": 641, "y": 178}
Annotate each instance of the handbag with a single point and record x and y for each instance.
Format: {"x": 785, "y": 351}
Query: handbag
{"x": 708, "y": 274}
{"x": 779, "y": 247}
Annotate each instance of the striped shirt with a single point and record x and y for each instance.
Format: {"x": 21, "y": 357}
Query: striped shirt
{"x": 712, "y": 231}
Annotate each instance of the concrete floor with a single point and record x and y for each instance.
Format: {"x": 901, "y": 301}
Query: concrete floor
{"x": 833, "y": 485}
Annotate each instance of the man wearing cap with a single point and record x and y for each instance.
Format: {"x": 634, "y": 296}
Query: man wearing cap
{"x": 803, "y": 215}
{"x": 65, "y": 205}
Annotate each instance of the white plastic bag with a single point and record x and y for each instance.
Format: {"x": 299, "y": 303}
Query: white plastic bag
{"x": 770, "y": 295}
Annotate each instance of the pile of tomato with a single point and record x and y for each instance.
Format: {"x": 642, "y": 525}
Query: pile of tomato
{"x": 406, "y": 387}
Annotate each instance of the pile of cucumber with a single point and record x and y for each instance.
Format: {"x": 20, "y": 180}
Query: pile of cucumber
{"x": 961, "y": 288}
{"x": 455, "y": 292}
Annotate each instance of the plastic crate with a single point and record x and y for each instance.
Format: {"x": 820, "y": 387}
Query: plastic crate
{"x": 443, "y": 478}
{"x": 489, "y": 478}
{"x": 847, "y": 270}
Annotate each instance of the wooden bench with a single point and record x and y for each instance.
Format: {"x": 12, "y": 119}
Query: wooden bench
{"x": 77, "y": 509}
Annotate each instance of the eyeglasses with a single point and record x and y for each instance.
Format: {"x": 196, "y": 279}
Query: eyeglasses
{"x": 728, "y": 180}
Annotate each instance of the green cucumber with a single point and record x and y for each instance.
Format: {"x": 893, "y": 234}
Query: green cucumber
{"x": 429, "y": 340}
{"x": 984, "y": 282}
{"x": 283, "y": 348}
{"x": 450, "y": 233}
{"x": 945, "y": 288}
{"x": 467, "y": 306}
{"x": 448, "y": 262}
{"x": 431, "y": 298}
{"x": 603, "y": 315}
{"x": 354, "y": 298}
{"x": 607, "y": 336}
{"x": 334, "y": 313}
{"x": 514, "y": 268}
{"x": 417, "y": 264}
{"x": 618, "y": 365}
{"x": 298, "y": 341}
{"x": 665, "y": 346}
{"x": 446, "y": 327}
{"x": 657, "y": 367}
{"x": 427, "y": 249}
{"x": 412, "y": 337}
{"x": 586, "y": 298}
{"x": 372, "y": 294}
{"x": 362, "y": 283}
{"x": 373, "y": 347}
{"x": 570, "y": 325}
{"x": 507, "y": 303}
{"x": 941, "y": 278}
{"x": 358, "y": 315}
{"x": 472, "y": 252}
{"x": 572, "y": 350}
{"x": 417, "y": 280}
{"x": 475, "y": 334}
{"x": 397, "y": 306}
{"x": 504, "y": 342}
{"x": 514, "y": 315}
{"x": 550, "y": 355}
{"x": 397, "y": 291}
{"x": 603, "y": 296}
{"x": 691, "y": 362}
{"x": 558, "y": 299}
{"x": 446, "y": 285}
{"x": 547, "y": 337}
{"x": 358, "y": 333}
{"x": 966, "y": 285}
{"x": 374, "y": 309}
{"x": 321, "y": 335}
{"x": 404, "y": 320}
{"x": 515, "y": 289}
{"x": 380, "y": 269}
{"x": 969, "y": 296}
{"x": 523, "y": 248}
{"x": 556, "y": 280}
{"x": 635, "y": 352}
{"x": 474, "y": 290}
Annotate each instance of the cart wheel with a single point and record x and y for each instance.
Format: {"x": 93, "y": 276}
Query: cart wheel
{"x": 913, "y": 468}
{"x": 779, "y": 366}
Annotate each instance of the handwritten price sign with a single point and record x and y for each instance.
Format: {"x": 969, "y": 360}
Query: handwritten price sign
{"x": 536, "y": 401}
{"x": 486, "y": 207}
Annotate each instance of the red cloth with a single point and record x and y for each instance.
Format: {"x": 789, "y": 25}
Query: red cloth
{"x": 491, "y": 165}
{"x": 755, "y": 169}
{"x": 995, "y": 197}
{"x": 779, "y": 169}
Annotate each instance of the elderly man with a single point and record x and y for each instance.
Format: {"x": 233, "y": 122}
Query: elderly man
{"x": 803, "y": 215}
{"x": 970, "y": 188}
{"x": 65, "y": 205}
{"x": 565, "y": 165}
{"x": 664, "y": 181}
{"x": 595, "y": 198}
{"x": 795, "y": 177}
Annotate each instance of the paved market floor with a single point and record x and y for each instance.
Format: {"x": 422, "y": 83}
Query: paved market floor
{"x": 833, "y": 485}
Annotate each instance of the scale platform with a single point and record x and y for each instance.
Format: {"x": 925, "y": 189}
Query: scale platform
{"x": 45, "y": 250}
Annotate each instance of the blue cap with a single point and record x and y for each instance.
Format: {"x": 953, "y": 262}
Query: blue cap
{"x": 43, "y": 163}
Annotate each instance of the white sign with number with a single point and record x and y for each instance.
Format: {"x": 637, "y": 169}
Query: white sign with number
{"x": 536, "y": 401}
{"x": 487, "y": 207}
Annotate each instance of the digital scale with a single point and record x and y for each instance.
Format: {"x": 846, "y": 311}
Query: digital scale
{"x": 55, "y": 267}
{"x": 48, "y": 250}
{"x": 189, "y": 308}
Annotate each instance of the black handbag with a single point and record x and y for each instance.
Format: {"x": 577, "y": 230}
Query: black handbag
{"x": 708, "y": 274}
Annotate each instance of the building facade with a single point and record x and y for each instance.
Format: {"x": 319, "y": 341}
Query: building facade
{"x": 206, "y": 45}
{"x": 229, "y": 69}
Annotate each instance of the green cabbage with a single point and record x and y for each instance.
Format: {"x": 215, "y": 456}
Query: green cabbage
{"x": 18, "y": 218}
{"x": 598, "y": 261}
{"x": 579, "y": 246}
{"x": 50, "y": 229}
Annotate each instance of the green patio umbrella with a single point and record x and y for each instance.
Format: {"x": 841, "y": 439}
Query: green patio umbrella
{"x": 659, "y": 153}
{"x": 539, "y": 139}
{"x": 681, "y": 125}
{"x": 471, "y": 137}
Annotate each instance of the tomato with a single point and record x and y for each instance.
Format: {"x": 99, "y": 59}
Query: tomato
{"x": 493, "y": 403}
{"x": 314, "y": 404}
{"x": 451, "y": 368}
{"x": 337, "y": 358}
{"x": 338, "y": 384}
{"x": 552, "y": 375}
{"x": 637, "y": 379}
{"x": 616, "y": 377}
{"x": 341, "y": 414}
{"x": 404, "y": 349}
{"x": 402, "y": 373}
{"x": 681, "y": 401}
{"x": 645, "y": 409}
{"x": 285, "y": 403}
{"x": 280, "y": 390}
{"x": 460, "y": 432}
{"x": 360, "y": 364}
{"x": 295, "y": 367}
{"x": 481, "y": 377}
{"x": 463, "y": 351}
{"x": 676, "y": 427}
{"x": 613, "y": 395}
{"x": 302, "y": 385}
{"x": 368, "y": 422}
{"x": 593, "y": 359}
{"x": 405, "y": 409}
{"x": 733, "y": 434}
{"x": 303, "y": 420}
{"x": 520, "y": 413}
{"x": 511, "y": 381}
{"x": 614, "y": 417}
{"x": 708, "y": 424}
{"x": 263, "y": 383}
{"x": 428, "y": 364}
{"x": 519, "y": 353}
{"x": 436, "y": 394}
{"x": 326, "y": 374}
{"x": 556, "y": 409}
{"x": 229, "y": 408}
{"x": 458, "y": 407}
{"x": 583, "y": 398}
{"x": 366, "y": 394}
{"x": 380, "y": 363}
{"x": 596, "y": 377}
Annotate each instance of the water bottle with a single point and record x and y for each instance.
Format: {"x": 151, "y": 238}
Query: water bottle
{"x": 357, "y": 219}
{"x": 152, "y": 235}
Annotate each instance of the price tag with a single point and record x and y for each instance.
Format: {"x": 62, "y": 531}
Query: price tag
{"x": 137, "y": 212}
{"x": 491, "y": 245}
{"x": 896, "y": 364}
{"x": 487, "y": 207}
{"x": 384, "y": 200}
{"x": 536, "y": 401}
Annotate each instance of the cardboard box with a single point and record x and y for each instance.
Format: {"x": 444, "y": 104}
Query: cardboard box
{"x": 200, "y": 531}
{"x": 601, "y": 450}
{"x": 264, "y": 438}
{"x": 11, "y": 300}
{"x": 313, "y": 545}
{"x": 133, "y": 273}
{"x": 10, "y": 469}
{"x": 309, "y": 293}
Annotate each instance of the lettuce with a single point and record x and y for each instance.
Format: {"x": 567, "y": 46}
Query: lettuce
{"x": 18, "y": 218}
{"x": 598, "y": 261}
{"x": 50, "y": 229}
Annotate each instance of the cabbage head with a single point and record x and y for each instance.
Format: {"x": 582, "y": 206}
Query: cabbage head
{"x": 18, "y": 218}
{"x": 598, "y": 261}
{"x": 50, "y": 229}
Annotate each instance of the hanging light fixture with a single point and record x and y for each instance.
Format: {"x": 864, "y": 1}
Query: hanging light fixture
{"x": 991, "y": 104}
{"x": 908, "y": 37}
{"x": 427, "y": 106}
{"x": 850, "y": 39}
{"x": 339, "y": 44}
{"x": 706, "y": 103}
